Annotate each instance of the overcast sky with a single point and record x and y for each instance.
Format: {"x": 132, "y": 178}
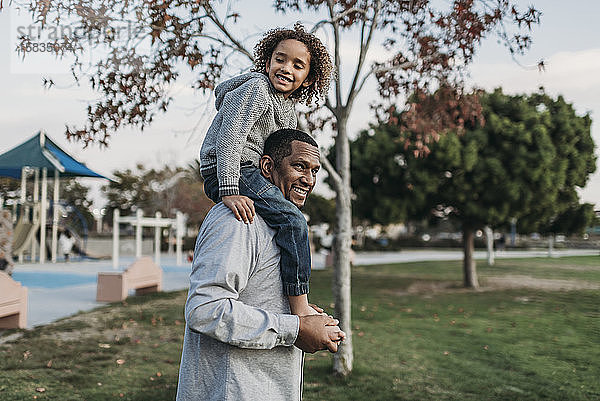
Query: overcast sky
{"x": 568, "y": 40}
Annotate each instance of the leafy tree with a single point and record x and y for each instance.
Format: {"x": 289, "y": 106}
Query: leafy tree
{"x": 526, "y": 162}
{"x": 158, "y": 191}
{"x": 76, "y": 195}
{"x": 574, "y": 220}
{"x": 10, "y": 189}
{"x": 381, "y": 178}
{"x": 428, "y": 46}
{"x": 320, "y": 209}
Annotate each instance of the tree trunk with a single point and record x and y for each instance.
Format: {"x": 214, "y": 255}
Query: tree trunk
{"x": 551, "y": 245}
{"x": 470, "y": 272}
{"x": 489, "y": 240}
{"x": 343, "y": 359}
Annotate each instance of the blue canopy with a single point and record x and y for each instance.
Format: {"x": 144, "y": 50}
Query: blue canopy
{"x": 39, "y": 152}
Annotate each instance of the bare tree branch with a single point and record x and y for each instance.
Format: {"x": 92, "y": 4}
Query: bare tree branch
{"x": 330, "y": 107}
{"x": 364, "y": 47}
{"x": 337, "y": 58}
{"x": 237, "y": 44}
{"x": 338, "y": 18}
{"x": 376, "y": 70}
{"x": 333, "y": 174}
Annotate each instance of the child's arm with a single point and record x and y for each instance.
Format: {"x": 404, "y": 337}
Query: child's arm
{"x": 240, "y": 110}
{"x": 241, "y": 206}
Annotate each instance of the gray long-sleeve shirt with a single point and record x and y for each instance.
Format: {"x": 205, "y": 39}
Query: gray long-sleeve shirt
{"x": 249, "y": 110}
{"x": 239, "y": 335}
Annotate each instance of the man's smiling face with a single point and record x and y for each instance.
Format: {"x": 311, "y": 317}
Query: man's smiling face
{"x": 297, "y": 173}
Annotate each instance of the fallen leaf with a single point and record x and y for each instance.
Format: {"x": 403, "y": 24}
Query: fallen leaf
{"x": 120, "y": 361}
{"x": 101, "y": 345}
{"x": 40, "y": 389}
{"x": 485, "y": 347}
{"x": 446, "y": 352}
{"x": 49, "y": 364}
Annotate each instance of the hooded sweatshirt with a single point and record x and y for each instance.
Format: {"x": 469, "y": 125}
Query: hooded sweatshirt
{"x": 249, "y": 109}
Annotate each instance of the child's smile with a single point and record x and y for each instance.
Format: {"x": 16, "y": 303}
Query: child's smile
{"x": 289, "y": 66}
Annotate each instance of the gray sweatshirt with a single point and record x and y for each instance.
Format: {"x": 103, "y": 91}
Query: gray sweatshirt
{"x": 249, "y": 110}
{"x": 239, "y": 336}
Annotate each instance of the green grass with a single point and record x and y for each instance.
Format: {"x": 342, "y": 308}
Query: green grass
{"x": 417, "y": 336}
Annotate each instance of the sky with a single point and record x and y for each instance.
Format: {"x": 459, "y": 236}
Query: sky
{"x": 568, "y": 40}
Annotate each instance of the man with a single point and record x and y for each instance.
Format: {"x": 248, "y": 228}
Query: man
{"x": 239, "y": 336}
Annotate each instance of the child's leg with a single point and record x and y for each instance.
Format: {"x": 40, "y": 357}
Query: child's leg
{"x": 291, "y": 236}
{"x": 211, "y": 187}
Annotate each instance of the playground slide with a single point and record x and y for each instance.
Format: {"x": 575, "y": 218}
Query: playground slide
{"x": 22, "y": 235}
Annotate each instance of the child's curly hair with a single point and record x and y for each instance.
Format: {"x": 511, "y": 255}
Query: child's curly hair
{"x": 321, "y": 67}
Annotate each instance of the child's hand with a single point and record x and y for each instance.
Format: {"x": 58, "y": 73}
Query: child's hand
{"x": 319, "y": 310}
{"x": 241, "y": 206}
{"x": 335, "y": 334}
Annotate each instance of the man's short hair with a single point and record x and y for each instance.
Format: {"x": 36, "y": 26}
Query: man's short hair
{"x": 279, "y": 144}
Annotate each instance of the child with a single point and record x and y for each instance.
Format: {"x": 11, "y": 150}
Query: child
{"x": 290, "y": 65}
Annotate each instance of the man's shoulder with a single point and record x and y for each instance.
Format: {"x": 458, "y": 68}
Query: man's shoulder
{"x": 221, "y": 217}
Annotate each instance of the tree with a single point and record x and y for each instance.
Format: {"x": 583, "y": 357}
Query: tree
{"x": 428, "y": 44}
{"x": 526, "y": 162}
{"x": 319, "y": 210}
{"x": 76, "y": 195}
{"x": 158, "y": 191}
{"x": 381, "y": 176}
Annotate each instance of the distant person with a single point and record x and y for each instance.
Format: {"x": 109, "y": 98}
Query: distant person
{"x": 290, "y": 65}
{"x": 6, "y": 241}
{"x": 66, "y": 242}
{"x": 501, "y": 243}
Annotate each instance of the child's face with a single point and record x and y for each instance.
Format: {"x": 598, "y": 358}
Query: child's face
{"x": 289, "y": 66}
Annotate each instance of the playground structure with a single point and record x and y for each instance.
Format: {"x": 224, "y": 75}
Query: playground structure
{"x": 39, "y": 157}
{"x": 158, "y": 222}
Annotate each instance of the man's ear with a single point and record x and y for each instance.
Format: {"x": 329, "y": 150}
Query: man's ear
{"x": 266, "y": 166}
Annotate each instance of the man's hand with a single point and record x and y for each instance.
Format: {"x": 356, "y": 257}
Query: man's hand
{"x": 318, "y": 332}
{"x": 241, "y": 206}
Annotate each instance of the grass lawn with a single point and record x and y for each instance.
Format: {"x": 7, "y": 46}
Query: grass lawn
{"x": 417, "y": 336}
